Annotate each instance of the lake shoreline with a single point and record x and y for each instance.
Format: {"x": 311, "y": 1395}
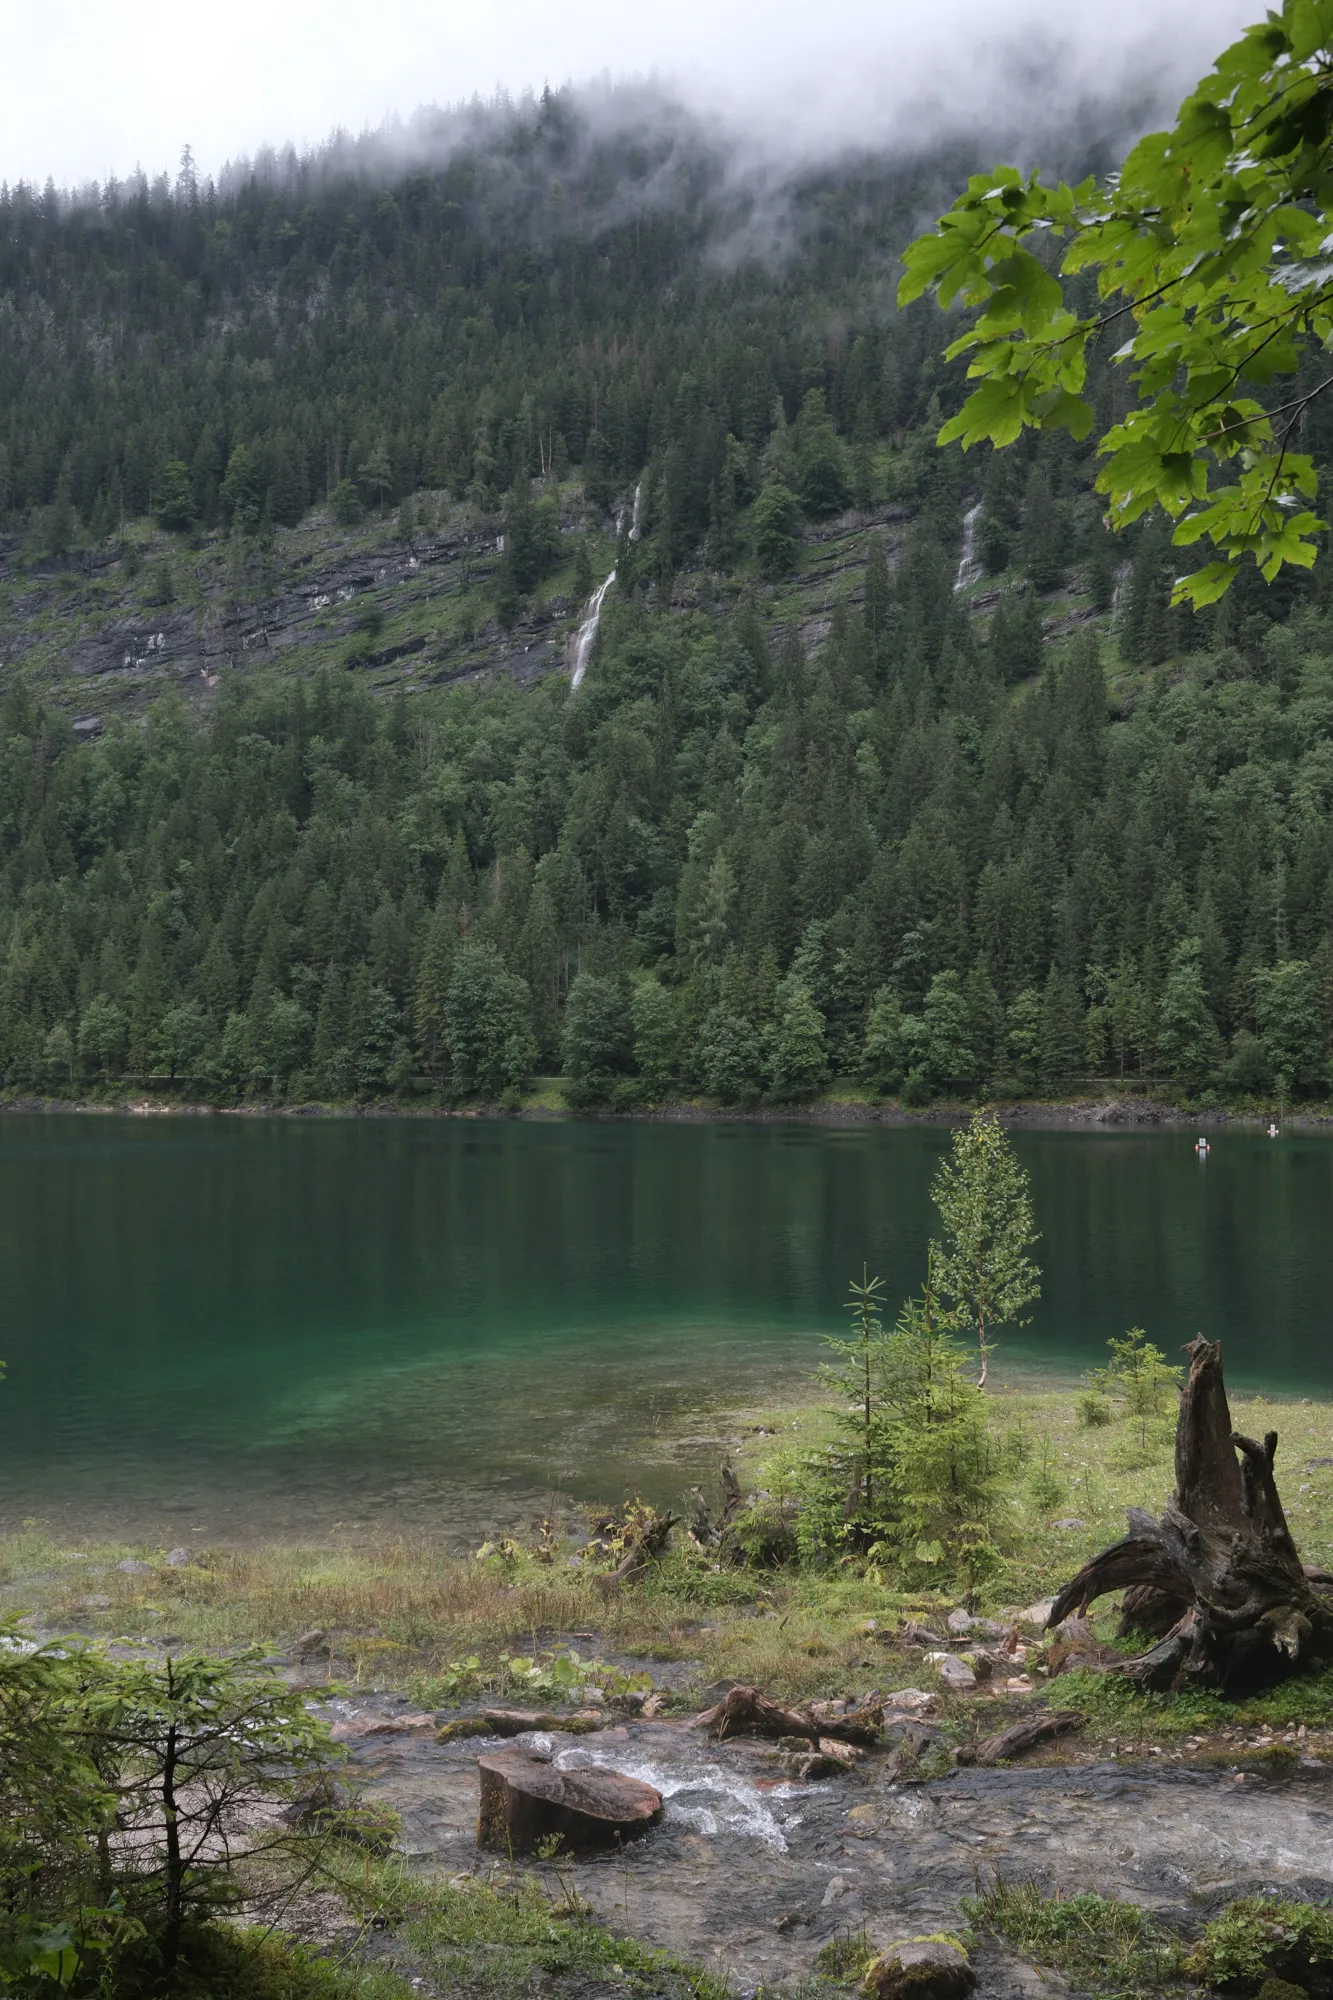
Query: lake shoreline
{"x": 1109, "y": 1113}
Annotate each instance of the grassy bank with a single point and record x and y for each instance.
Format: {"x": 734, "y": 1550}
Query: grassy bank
{"x": 406, "y": 1614}
{"x": 544, "y": 1623}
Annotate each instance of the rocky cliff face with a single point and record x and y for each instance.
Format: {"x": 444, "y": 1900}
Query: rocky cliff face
{"x": 105, "y": 632}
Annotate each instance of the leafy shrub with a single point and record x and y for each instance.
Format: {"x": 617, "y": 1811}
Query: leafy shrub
{"x": 123, "y": 1789}
{"x": 1257, "y": 1939}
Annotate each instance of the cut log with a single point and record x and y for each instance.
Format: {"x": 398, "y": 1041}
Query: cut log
{"x": 1022, "y": 1737}
{"x": 746, "y": 1712}
{"x": 1217, "y": 1581}
{"x": 518, "y": 1722}
{"x": 526, "y": 1800}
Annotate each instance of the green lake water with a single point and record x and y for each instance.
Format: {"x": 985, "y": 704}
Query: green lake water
{"x": 230, "y": 1326}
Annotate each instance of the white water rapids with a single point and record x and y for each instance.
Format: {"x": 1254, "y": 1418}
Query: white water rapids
{"x": 592, "y": 611}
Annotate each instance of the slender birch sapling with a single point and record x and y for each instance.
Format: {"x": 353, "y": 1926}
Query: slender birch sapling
{"x": 984, "y": 1268}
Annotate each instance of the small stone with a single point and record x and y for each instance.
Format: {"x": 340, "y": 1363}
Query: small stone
{"x": 379, "y": 1725}
{"x": 132, "y": 1567}
{"x": 956, "y": 1674}
{"x": 960, "y": 1623}
{"x": 1069, "y": 1524}
{"x": 178, "y": 1558}
{"x": 1038, "y": 1613}
{"x": 910, "y": 1701}
{"x": 464, "y": 1726}
{"x": 844, "y": 1755}
{"x": 921, "y": 1969}
{"x": 817, "y": 1766}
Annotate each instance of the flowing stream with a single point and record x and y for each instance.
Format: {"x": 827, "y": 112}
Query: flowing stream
{"x": 752, "y": 1874}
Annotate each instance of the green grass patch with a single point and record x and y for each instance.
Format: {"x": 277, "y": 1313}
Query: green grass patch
{"x": 1118, "y": 1705}
{"x": 1116, "y": 1948}
{"x": 231, "y": 1962}
{"x": 497, "y": 1940}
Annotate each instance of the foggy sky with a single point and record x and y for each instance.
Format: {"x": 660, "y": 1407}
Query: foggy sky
{"x": 91, "y": 90}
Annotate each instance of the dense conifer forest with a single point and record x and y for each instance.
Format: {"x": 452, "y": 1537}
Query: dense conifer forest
{"x": 889, "y": 763}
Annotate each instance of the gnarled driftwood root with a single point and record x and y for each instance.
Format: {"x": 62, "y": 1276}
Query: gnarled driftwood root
{"x": 1217, "y": 1581}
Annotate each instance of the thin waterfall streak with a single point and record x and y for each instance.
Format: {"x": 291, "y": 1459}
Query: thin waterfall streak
{"x": 588, "y": 631}
{"x": 969, "y": 566}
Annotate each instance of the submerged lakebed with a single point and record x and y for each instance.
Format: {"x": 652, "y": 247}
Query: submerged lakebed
{"x": 269, "y": 1327}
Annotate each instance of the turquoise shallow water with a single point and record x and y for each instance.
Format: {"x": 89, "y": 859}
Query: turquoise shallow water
{"x": 231, "y": 1326}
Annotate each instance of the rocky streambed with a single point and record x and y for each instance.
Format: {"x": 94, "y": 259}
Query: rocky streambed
{"x": 752, "y": 1871}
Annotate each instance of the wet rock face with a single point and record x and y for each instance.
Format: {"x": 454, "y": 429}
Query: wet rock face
{"x": 526, "y": 1799}
{"x": 921, "y": 1969}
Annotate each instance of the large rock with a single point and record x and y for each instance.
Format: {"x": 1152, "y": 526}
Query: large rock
{"x": 526, "y": 1799}
{"x": 921, "y": 1969}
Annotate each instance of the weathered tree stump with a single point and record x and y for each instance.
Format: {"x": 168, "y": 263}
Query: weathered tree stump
{"x": 525, "y": 1800}
{"x": 1217, "y": 1581}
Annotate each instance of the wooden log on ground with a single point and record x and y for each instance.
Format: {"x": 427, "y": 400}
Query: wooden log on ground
{"x": 519, "y": 1721}
{"x": 1023, "y": 1736}
{"x": 1217, "y": 1581}
{"x": 526, "y": 1800}
{"x": 746, "y": 1712}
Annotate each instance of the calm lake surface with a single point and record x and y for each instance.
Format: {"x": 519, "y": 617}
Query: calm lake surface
{"x": 234, "y": 1326}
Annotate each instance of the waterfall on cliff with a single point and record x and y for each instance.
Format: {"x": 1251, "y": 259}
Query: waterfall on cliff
{"x": 588, "y": 630}
{"x": 593, "y": 610}
{"x": 969, "y": 563}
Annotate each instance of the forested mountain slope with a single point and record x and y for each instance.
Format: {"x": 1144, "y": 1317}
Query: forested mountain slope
{"x": 887, "y": 761}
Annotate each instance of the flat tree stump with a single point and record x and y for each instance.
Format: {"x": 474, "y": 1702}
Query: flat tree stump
{"x": 525, "y": 1800}
{"x": 1217, "y": 1581}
